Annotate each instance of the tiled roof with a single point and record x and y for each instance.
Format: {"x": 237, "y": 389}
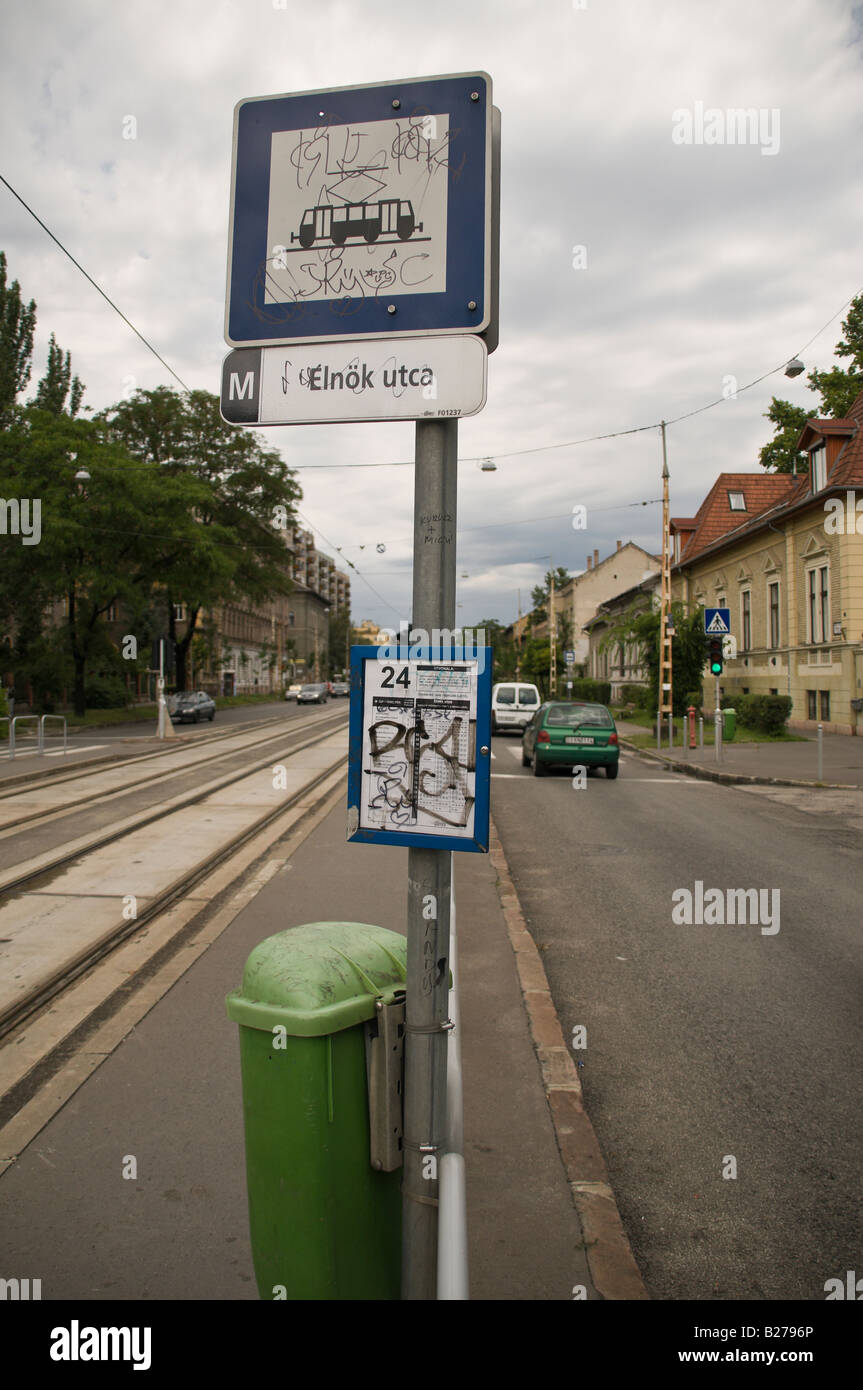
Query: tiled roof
{"x": 715, "y": 518}
{"x": 775, "y": 494}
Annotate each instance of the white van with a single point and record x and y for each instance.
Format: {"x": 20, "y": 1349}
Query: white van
{"x": 513, "y": 705}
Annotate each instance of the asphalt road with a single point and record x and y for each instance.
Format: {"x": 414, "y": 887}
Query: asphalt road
{"x": 705, "y": 1043}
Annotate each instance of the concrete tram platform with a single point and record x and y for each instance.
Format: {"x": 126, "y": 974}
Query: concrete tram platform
{"x": 135, "y": 1189}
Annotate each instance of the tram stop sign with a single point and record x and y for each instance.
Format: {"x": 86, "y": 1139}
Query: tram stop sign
{"x": 364, "y": 212}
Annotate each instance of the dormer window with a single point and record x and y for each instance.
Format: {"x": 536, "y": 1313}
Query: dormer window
{"x": 818, "y": 467}
{"x": 737, "y": 502}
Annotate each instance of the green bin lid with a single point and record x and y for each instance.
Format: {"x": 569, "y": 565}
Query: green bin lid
{"x": 319, "y": 978}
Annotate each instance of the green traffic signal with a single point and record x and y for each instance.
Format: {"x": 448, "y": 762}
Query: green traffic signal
{"x": 716, "y": 656}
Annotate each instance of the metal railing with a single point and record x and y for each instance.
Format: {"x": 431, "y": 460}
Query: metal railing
{"x": 452, "y": 1271}
{"x": 62, "y": 720}
{"x": 39, "y": 721}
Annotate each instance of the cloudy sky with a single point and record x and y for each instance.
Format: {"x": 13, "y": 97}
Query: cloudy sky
{"x": 703, "y": 263}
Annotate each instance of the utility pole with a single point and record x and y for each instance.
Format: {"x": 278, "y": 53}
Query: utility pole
{"x": 552, "y": 632}
{"x": 665, "y": 707}
{"x": 518, "y": 641}
{"x": 429, "y": 887}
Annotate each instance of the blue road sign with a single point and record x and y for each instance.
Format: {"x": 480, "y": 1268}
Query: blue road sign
{"x": 361, "y": 212}
{"x": 419, "y": 762}
{"x": 717, "y": 621}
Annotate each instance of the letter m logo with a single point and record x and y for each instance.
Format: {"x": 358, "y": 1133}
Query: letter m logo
{"x": 241, "y": 386}
{"x": 239, "y": 390}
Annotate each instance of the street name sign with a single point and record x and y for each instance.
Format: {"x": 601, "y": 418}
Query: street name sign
{"x": 717, "y": 621}
{"x": 362, "y": 212}
{"x": 381, "y": 379}
{"x": 419, "y": 762}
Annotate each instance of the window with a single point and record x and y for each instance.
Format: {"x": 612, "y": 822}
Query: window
{"x": 818, "y": 603}
{"x": 818, "y": 467}
{"x": 824, "y": 699}
{"x": 811, "y": 704}
{"x": 773, "y": 606}
{"x": 111, "y": 613}
{"x": 746, "y": 618}
{"x": 179, "y": 612}
{"x": 737, "y": 502}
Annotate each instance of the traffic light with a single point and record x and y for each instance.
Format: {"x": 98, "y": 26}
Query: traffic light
{"x": 716, "y": 656}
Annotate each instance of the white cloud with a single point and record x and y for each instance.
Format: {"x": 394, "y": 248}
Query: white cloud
{"x": 702, "y": 261}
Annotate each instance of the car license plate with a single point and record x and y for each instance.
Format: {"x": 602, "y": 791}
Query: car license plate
{"x": 579, "y": 738}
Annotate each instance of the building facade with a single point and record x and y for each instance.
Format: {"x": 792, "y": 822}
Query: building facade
{"x": 783, "y": 553}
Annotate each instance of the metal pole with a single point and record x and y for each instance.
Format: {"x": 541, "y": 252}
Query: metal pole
{"x": 659, "y": 731}
{"x": 820, "y": 753}
{"x": 160, "y": 731}
{"x": 670, "y": 732}
{"x": 429, "y": 886}
{"x": 701, "y": 731}
{"x": 717, "y": 726}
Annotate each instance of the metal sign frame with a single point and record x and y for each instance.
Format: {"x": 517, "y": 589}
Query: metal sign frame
{"x": 364, "y": 310}
{"x": 425, "y": 656}
{"x": 333, "y": 383}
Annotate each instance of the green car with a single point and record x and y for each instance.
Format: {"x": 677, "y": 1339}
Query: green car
{"x": 570, "y": 733}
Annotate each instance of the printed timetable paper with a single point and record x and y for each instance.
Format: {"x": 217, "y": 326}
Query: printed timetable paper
{"x": 419, "y": 747}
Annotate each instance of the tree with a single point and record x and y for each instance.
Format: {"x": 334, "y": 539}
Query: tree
{"x": 104, "y": 544}
{"x": 17, "y": 325}
{"x": 58, "y": 383}
{"x": 540, "y": 595}
{"x": 641, "y": 628}
{"x": 838, "y": 389}
{"x": 339, "y": 638}
{"x": 237, "y": 549}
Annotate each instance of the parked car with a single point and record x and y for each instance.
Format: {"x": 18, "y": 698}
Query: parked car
{"x": 513, "y": 705}
{"x": 341, "y": 688}
{"x": 312, "y": 695}
{"x": 571, "y": 733}
{"x": 190, "y": 706}
{"x": 293, "y": 691}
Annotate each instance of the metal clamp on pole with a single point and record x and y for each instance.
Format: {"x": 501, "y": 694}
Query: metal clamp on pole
{"x": 385, "y": 1042}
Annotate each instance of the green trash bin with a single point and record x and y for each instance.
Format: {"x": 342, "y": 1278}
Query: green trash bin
{"x": 729, "y": 724}
{"x": 324, "y": 1223}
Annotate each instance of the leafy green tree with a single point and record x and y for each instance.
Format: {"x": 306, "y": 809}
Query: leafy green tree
{"x": 17, "y": 326}
{"x": 237, "y": 549}
{"x": 58, "y": 383}
{"x": 103, "y": 543}
{"x": 838, "y": 389}
{"x": 689, "y": 645}
{"x": 338, "y": 642}
{"x": 540, "y": 595}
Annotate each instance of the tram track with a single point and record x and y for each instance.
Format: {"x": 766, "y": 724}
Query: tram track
{"x": 24, "y": 1007}
{"x": 35, "y": 818}
{"x": 17, "y": 876}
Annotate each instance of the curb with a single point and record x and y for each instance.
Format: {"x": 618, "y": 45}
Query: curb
{"x": 733, "y": 778}
{"x": 610, "y": 1259}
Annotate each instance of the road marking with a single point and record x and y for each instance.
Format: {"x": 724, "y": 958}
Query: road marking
{"x": 676, "y": 781}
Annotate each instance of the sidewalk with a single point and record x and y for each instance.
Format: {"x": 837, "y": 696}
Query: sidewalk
{"x": 788, "y": 764}
{"x": 542, "y": 1220}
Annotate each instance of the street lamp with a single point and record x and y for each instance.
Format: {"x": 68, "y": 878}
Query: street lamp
{"x": 795, "y": 367}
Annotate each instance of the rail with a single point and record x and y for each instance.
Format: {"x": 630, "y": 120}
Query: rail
{"x": 62, "y": 719}
{"x": 452, "y": 1270}
{"x": 20, "y": 719}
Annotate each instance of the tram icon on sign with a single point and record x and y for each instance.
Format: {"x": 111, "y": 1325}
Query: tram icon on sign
{"x": 365, "y": 220}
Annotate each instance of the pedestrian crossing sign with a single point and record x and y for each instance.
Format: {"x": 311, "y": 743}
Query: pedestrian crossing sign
{"x": 717, "y": 620}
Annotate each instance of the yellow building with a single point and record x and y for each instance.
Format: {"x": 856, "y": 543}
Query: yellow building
{"x": 783, "y": 554}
